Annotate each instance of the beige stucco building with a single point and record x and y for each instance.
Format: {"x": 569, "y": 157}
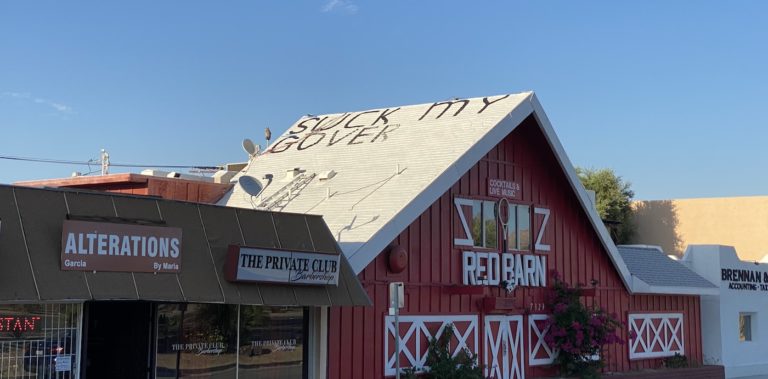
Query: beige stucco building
{"x": 741, "y": 222}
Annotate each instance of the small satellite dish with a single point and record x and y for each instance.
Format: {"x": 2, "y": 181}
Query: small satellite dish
{"x": 249, "y": 147}
{"x": 250, "y": 185}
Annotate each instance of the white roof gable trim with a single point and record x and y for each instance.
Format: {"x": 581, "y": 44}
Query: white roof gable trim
{"x": 640, "y": 286}
{"x": 581, "y": 192}
{"x": 366, "y": 221}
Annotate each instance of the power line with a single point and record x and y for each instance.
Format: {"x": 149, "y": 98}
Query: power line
{"x": 94, "y": 162}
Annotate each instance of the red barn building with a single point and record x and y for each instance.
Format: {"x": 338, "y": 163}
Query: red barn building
{"x": 411, "y": 195}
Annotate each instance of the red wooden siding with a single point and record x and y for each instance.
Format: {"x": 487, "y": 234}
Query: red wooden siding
{"x": 356, "y": 334}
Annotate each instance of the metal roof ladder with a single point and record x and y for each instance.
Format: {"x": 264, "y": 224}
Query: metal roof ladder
{"x": 278, "y": 200}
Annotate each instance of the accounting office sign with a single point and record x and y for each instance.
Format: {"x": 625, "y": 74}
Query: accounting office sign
{"x": 98, "y": 246}
{"x": 248, "y": 264}
{"x": 745, "y": 279}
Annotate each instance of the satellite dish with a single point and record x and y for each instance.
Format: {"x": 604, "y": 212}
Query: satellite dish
{"x": 249, "y": 147}
{"x": 250, "y": 185}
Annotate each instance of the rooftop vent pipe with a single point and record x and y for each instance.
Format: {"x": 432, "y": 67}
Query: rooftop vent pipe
{"x": 292, "y": 173}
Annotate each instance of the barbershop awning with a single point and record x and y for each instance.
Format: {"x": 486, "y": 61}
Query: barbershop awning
{"x": 31, "y": 237}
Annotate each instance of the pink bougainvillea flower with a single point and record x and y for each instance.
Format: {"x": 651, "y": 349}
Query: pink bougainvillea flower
{"x": 576, "y": 325}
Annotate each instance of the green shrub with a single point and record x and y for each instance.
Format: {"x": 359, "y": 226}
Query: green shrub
{"x": 444, "y": 366}
{"x": 676, "y": 361}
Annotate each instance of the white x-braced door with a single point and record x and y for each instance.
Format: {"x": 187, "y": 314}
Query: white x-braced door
{"x": 503, "y": 347}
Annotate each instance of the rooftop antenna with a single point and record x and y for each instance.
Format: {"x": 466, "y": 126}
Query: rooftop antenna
{"x": 267, "y": 135}
{"x": 104, "y": 162}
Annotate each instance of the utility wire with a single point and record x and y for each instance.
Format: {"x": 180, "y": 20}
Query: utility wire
{"x": 92, "y": 162}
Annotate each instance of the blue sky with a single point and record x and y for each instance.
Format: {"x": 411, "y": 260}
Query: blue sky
{"x": 670, "y": 94}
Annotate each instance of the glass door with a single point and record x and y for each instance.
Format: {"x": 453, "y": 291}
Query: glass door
{"x": 118, "y": 338}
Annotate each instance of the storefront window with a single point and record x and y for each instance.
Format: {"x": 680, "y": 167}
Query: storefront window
{"x": 745, "y": 327}
{"x": 519, "y": 228}
{"x": 477, "y": 223}
{"x": 489, "y": 219}
{"x": 271, "y": 342}
{"x": 201, "y": 341}
{"x": 196, "y": 340}
{"x": 39, "y": 340}
{"x": 484, "y": 231}
{"x": 512, "y": 235}
{"x": 524, "y": 227}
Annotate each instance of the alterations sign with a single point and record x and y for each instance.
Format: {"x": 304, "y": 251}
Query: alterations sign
{"x": 99, "y": 246}
{"x": 248, "y": 264}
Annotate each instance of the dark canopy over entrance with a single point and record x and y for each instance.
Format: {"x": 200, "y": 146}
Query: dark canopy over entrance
{"x": 30, "y": 247}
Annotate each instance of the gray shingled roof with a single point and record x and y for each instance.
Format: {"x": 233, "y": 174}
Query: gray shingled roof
{"x": 652, "y": 266}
